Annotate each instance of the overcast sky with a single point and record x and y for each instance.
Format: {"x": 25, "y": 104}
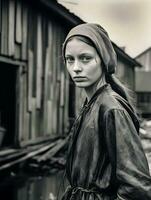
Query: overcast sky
{"x": 128, "y": 22}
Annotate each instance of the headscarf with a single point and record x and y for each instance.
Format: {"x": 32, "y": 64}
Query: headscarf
{"x": 101, "y": 41}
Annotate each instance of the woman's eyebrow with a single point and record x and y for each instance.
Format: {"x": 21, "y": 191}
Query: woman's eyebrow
{"x": 85, "y": 54}
{"x": 68, "y": 55}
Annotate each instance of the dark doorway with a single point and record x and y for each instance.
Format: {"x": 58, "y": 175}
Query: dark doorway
{"x": 71, "y": 102}
{"x": 8, "y": 102}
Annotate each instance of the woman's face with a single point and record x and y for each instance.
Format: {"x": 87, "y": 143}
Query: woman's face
{"x": 83, "y": 63}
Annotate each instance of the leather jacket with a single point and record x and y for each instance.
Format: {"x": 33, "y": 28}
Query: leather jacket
{"x": 106, "y": 160}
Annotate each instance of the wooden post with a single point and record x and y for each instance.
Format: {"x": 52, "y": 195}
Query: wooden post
{"x": 0, "y": 16}
{"x": 33, "y": 119}
{"x": 21, "y": 97}
{"x": 39, "y": 62}
{"x": 46, "y": 88}
{"x": 30, "y": 79}
{"x": 24, "y": 33}
{"x": 4, "y": 28}
{"x": 11, "y": 28}
{"x": 18, "y": 28}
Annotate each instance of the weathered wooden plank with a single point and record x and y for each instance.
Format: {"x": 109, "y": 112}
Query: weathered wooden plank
{"x": 6, "y": 152}
{"x": 66, "y": 106}
{"x": 57, "y": 103}
{"x": 39, "y": 123}
{"x": 33, "y": 119}
{"x": 30, "y": 77}
{"x": 18, "y": 28}
{"x": 17, "y": 116}
{"x": 31, "y": 28}
{"x": 61, "y": 120}
{"x": 55, "y": 147}
{"x": 61, "y": 107}
{"x": 50, "y": 74}
{"x": 21, "y": 98}
{"x": 54, "y": 111}
{"x": 39, "y": 62}
{"x": 11, "y": 28}
{"x": 46, "y": 87}
{"x": 27, "y": 125}
{"x": 62, "y": 89}
{"x": 25, "y": 131}
{"x": 29, "y": 155}
{"x": 4, "y": 29}
{"x": 54, "y": 86}
{"x": 11, "y": 61}
{"x": 24, "y": 32}
{"x": 17, "y": 54}
{"x": 58, "y": 52}
{"x": 0, "y": 16}
{"x": 11, "y": 156}
{"x": 23, "y": 135}
{"x": 54, "y": 66}
{"x": 50, "y": 118}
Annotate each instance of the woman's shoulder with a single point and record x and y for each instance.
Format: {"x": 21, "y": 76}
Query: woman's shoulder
{"x": 110, "y": 100}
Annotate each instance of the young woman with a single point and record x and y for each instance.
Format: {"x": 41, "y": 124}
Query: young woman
{"x": 106, "y": 159}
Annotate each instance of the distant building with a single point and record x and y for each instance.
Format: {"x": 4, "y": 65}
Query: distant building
{"x": 143, "y": 83}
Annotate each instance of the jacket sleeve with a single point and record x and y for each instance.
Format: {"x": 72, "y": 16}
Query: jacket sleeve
{"x": 129, "y": 164}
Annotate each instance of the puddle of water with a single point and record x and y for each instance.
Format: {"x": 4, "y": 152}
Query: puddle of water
{"x": 33, "y": 188}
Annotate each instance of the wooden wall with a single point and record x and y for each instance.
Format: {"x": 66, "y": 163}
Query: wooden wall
{"x": 29, "y": 35}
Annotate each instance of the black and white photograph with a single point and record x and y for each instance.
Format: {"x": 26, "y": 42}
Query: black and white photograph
{"x": 75, "y": 100}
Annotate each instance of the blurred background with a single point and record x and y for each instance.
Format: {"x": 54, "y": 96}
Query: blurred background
{"x": 127, "y": 22}
{"x": 39, "y": 101}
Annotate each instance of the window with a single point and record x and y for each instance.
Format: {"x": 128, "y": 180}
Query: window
{"x": 144, "y": 97}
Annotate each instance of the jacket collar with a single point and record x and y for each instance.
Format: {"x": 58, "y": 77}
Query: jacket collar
{"x": 95, "y": 95}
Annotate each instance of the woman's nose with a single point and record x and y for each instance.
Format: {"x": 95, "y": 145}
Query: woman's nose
{"x": 77, "y": 67}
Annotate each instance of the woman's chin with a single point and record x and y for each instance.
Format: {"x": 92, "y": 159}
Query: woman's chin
{"x": 81, "y": 85}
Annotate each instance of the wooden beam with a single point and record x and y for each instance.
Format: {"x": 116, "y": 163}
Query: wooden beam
{"x": 62, "y": 89}
{"x": 27, "y": 156}
{"x": 33, "y": 119}
{"x": 50, "y": 74}
{"x": 49, "y": 116}
{"x": 13, "y": 63}
{"x": 4, "y": 28}
{"x": 66, "y": 106}
{"x": 11, "y": 28}
{"x": 24, "y": 33}
{"x": 0, "y": 16}
{"x": 46, "y": 88}
{"x": 30, "y": 79}
{"x": 21, "y": 98}
{"x": 39, "y": 62}
{"x": 18, "y": 28}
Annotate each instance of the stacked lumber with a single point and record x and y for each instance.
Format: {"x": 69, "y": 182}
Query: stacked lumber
{"x": 45, "y": 156}
{"x": 53, "y": 159}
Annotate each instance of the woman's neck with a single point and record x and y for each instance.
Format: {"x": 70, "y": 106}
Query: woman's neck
{"x": 93, "y": 88}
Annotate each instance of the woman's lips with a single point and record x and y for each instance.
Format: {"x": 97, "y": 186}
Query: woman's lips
{"x": 79, "y": 78}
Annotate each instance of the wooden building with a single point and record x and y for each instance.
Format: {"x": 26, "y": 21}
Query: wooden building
{"x": 143, "y": 83}
{"x": 36, "y": 91}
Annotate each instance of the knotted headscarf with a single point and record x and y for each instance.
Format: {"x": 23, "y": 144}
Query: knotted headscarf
{"x": 101, "y": 41}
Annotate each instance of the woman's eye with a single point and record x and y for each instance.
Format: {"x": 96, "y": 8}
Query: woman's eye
{"x": 69, "y": 59}
{"x": 85, "y": 59}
